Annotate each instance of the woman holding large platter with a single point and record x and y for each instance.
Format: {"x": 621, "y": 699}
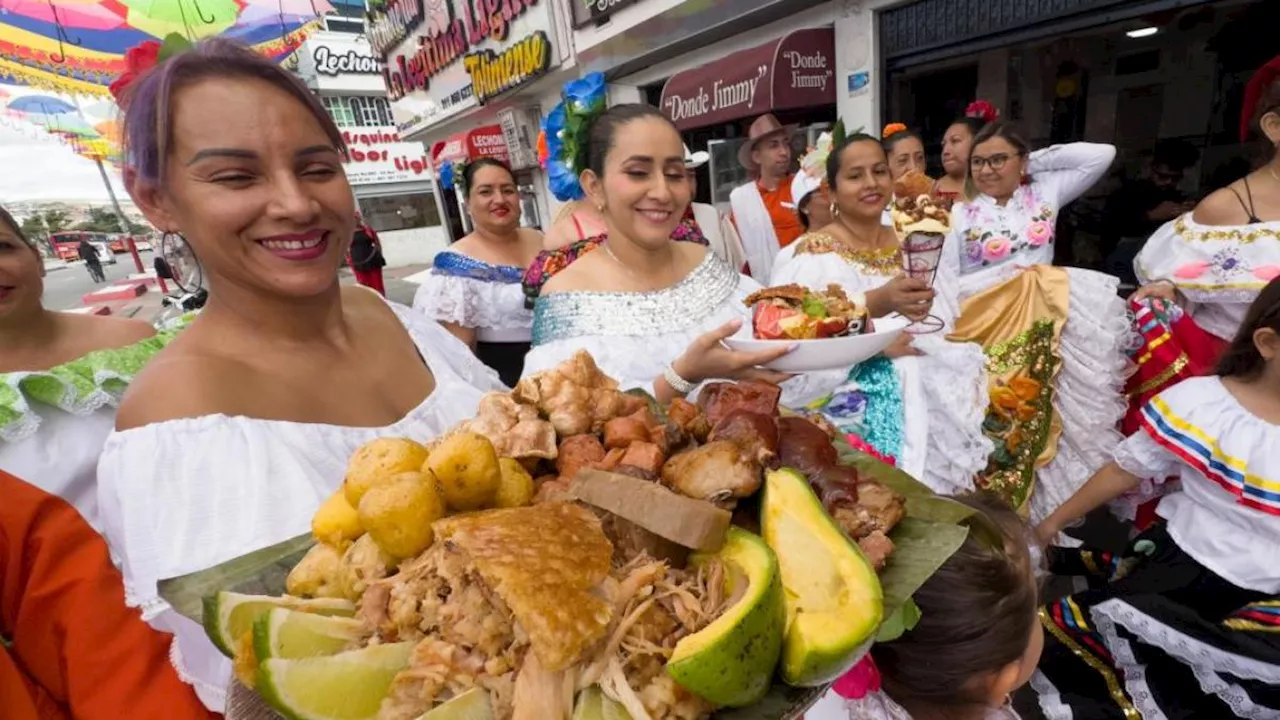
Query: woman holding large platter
{"x": 243, "y": 425}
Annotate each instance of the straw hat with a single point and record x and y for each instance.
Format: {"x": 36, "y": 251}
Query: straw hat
{"x": 765, "y": 126}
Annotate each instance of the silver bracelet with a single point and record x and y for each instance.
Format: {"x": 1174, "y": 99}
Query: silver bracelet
{"x": 677, "y": 383}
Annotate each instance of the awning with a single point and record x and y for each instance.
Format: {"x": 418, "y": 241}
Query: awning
{"x": 486, "y": 141}
{"x": 795, "y": 71}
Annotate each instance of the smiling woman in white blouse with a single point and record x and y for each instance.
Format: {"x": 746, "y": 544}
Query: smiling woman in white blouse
{"x": 239, "y": 429}
{"x": 1053, "y": 336}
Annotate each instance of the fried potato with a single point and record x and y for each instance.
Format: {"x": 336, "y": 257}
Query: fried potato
{"x": 466, "y": 466}
{"x": 336, "y": 523}
{"x": 516, "y": 488}
{"x": 363, "y": 563}
{"x": 320, "y": 574}
{"x": 377, "y": 461}
{"x": 398, "y": 513}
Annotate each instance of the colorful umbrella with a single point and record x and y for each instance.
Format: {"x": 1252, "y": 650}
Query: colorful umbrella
{"x": 90, "y": 14}
{"x": 41, "y": 105}
{"x": 192, "y": 19}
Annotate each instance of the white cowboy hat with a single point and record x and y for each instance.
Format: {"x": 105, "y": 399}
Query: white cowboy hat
{"x": 695, "y": 160}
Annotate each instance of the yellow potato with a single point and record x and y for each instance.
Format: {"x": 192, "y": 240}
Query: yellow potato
{"x": 516, "y": 488}
{"x": 398, "y": 514}
{"x": 336, "y": 523}
{"x": 363, "y": 563}
{"x": 320, "y": 574}
{"x": 466, "y": 467}
{"x": 377, "y": 461}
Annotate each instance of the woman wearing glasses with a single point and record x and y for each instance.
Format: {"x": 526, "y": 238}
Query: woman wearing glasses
{"x": 1053, "y": 336}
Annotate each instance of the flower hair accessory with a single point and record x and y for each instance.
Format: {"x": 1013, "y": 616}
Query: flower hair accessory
{"x": 142, "y": 58}
{"x": 453, "y": 176}
{"x": 567, "y": 127}
{"x": 892, "y": 129}
{"x": 982, "y": 110}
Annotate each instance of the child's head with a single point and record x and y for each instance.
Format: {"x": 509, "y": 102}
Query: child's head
{"x": 1253, "y": 352}
{"x": 978, "y": 638}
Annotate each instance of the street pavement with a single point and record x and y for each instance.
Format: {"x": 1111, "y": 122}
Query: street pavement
{"x": 64, "y": 287}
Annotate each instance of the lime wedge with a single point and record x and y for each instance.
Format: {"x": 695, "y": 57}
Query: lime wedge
{"x": 346, "y": 686}
{"x": 471, "y": 705}
{"x": 294, "y": 634}
{"x": 229, "y": 616}
{"x": 592, "y": 704}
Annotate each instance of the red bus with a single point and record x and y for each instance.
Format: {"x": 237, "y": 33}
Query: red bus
{"x": 67, "y": 244}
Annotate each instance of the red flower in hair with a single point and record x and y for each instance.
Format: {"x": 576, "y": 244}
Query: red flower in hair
{"x": 137, "y": 61}
{"x": 1261, "y": 79}
{"x": 982, "y": 110}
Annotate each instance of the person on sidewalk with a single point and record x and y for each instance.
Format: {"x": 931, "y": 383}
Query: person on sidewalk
{"x": 72, "y": 649}
{"x": 763, "y": 209}
{"x": 721, "y": 235}
{"x": 365, "y": 257}
{"x": 89, "y": 254}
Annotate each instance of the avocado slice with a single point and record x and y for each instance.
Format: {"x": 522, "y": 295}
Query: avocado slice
{"x": 834, "y": 601}
{"x": 731, "y": 661}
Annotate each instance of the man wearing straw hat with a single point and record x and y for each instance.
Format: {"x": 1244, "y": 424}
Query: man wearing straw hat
{"x": 763, "y": 210}
{"x": 721, "y": 236}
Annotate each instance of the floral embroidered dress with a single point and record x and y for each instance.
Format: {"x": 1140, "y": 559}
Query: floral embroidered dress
{"x": 1186, "y": 622}
{"x": 54, "y": 422}
{"x": 486, "y": 298}
{"x": 924, "y": 411}
{"x": 1054, "y": 337}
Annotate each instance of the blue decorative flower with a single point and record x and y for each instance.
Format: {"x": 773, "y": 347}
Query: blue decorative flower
{"x": 586, "y": 94}
{"x": 445, "y": 176}
{"x": 563, "y": 181}
{"x": 554, "y": 124}
{"x": 848, "y": 404}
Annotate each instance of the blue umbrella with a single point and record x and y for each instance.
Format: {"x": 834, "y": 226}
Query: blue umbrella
{"x": 41, "y": 105}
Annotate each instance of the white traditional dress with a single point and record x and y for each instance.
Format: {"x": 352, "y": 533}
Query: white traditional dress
{"x": 633, "y": 336}
{"x": 54, "y": 422}
{"x": 1054, "y": 337}
{"x": 185, "y": 495}
{"x": 877, "y": 706}
{"x": 487, "y": 298}
{"x": 924, "y": 411}
{"x": 1187, "y": 622}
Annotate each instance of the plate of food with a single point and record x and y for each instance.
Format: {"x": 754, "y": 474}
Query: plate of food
{"x": 828, "y": 328}
{"x": 575, "y": 552}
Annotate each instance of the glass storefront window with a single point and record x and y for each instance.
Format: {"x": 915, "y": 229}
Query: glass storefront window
{"x": 358, "y": 111}
{"x": 400, "y": 212}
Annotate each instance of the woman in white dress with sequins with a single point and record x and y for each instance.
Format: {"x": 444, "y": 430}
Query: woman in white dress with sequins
{"x": 474, "y": 287}
{"x": 1054, "y": 336}
{"x": 650, "y": 310}
{"x": 237, "y": 431}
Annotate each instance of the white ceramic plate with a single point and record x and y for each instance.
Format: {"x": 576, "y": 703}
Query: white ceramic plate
{"x": 826, "y": 354}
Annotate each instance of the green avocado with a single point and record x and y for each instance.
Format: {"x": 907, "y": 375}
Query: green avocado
{"x": 834, "y": 601}
{"x": 731, "y": 661}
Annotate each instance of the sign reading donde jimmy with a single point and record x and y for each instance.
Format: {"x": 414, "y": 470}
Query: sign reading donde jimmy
{"x": 444, "y": 56}
{"x": 377, "y": 155}
{"x": 794, "y": 71}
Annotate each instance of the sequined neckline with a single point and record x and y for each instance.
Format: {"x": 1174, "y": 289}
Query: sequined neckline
{"x": 456, "y": 264}
{"x": 884, "y": 261}
{"x": 584, "y": 313}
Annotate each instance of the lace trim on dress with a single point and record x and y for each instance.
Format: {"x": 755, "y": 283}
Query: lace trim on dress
{"x": 80, "y": 387}
{"x": 1051, "y": 704}
{"x": 881, "y": 261}
{"x": 1228, "y": 264}
{"x": 203, "y": 689}
{"x": 472, "y": 303}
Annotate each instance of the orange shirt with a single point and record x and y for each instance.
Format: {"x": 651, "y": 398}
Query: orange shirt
{"x": 782, "y": 211}
{"x": 77, "y": 651}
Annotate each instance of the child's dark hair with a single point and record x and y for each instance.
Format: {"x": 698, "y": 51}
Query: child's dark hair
{"x": 469, "y": 172}
{"x": 977, "y": 613}
{"x": 14, "y": 227}
{"x": 604, "y": 128}
{"x": 833, "y": 159}
{"x": 893, "y": 139}
{"x": 1242, "y": 359}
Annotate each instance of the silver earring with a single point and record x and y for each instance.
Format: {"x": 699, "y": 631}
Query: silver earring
{"x": 182, "y": 261}
{"x": 834, "y": 210}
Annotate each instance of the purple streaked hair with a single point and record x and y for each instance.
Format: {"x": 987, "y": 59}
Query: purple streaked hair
{"x": 147, "y": 103}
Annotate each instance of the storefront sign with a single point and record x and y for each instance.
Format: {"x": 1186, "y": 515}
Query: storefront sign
{"x": 794, "y": 71}
{"x": 464, "y": 53}
{"x": 586, "y": 12}
{"x": 377, "y": 155}
{"x": 389, "y": 26}
{"x": 487, "y": 141}
{"x": 332, "y": 63}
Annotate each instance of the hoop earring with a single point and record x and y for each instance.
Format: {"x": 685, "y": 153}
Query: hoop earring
{"x": 183, "y": 264}
{"x": 834, "y": 210}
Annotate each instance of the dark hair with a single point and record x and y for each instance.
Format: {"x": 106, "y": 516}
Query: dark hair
{"x": 12, "y": 224}
{"x": 1268, "y": 101}
{"x": 1175, "y": 154}
{"x": 604, "y": 127}
{"x": 977, "y": 612}
{"x": 973, "y": 124}
{"x": 833, "y": 159}
{"x": 891, "y": 140}
{"x": 148, "y": 101}
{"x": 471, "y": 168}
{"x": 992, "y": 130}
{"x": 1242, "y": 359}
{"x": 802, "y": 208}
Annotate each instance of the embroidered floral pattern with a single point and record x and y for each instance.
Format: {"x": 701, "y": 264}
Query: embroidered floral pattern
{"x": 1243, "y": 235}
{"x": 688, "y": 229}
{"x": 989, "y": 242}
{"x": 550, "y": 262}
{"x": 1020, "y": 415}
{"x": 459, "y": 265}
{"x": 882, "y": 261}
{"x": 869, "y": 405}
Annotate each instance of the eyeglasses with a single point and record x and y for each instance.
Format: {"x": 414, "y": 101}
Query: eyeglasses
{"x": 995, "y": 162}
